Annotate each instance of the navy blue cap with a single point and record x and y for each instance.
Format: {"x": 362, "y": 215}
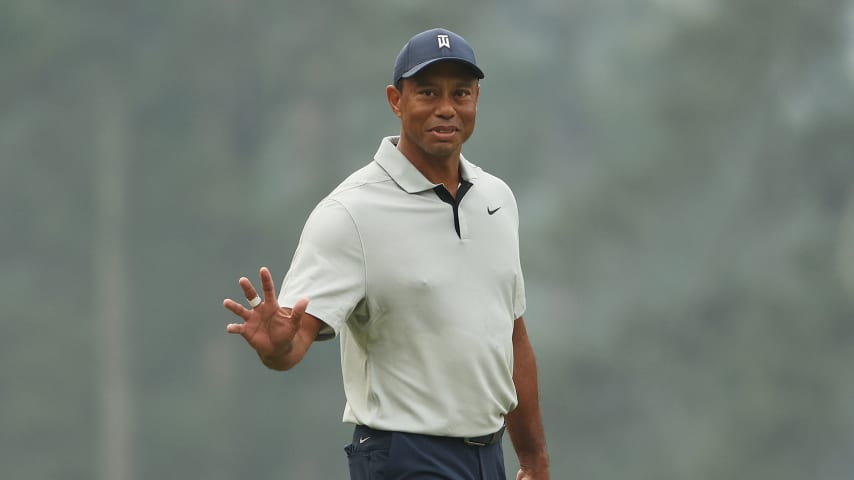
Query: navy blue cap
{"x": 427, "y": 48}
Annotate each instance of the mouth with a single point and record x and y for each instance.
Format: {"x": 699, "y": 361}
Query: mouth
{"x": 444, "y": 132}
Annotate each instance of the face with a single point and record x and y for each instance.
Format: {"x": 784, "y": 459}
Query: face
{"x": 437, "y": 109}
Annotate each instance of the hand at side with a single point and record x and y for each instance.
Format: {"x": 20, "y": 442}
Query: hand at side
{"x": 528, "y": 475}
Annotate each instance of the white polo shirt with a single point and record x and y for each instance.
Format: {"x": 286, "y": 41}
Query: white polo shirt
{"x": 423, "y": 294}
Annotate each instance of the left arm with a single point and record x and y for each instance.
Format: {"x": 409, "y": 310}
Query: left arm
{"x": 525, "y": 423}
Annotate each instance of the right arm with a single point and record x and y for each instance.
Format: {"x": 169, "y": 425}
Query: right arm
{"x": 328, "y": 264}
{"x": 280, "y": 336}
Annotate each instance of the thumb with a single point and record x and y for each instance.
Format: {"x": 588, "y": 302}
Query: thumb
{"x": 299, "y": 308}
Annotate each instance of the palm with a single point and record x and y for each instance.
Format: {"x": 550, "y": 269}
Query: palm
{"x": 268, "y": 328}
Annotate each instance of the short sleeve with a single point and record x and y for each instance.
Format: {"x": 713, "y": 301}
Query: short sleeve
{"x": 328, "y": 267}
{"x": 519, "y": 302}
{"x": 518, "y": 295}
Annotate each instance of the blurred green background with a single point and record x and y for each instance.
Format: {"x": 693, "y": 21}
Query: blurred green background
{"x": 685, "y": 177}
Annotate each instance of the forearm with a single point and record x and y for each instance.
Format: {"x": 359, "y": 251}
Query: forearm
{"x": 525, "y": 424}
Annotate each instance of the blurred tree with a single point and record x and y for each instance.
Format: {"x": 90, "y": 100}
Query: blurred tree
{"x": 714, "y": 223}
{"x": 110, "y": 278}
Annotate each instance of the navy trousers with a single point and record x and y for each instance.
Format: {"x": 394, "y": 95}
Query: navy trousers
{"x": 382, "y": 455}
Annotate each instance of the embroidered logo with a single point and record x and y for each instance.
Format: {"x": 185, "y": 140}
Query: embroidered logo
{"x": 444, "y": 41}
{"x": 491, "y": 211}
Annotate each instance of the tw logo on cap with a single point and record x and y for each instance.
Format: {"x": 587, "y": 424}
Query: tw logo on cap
{"x": 444, "y": 41}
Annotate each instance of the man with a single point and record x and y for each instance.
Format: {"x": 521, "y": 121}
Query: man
{"x": 414, "y": 261}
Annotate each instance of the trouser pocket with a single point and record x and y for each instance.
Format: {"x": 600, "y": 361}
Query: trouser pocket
{"x": 368, "y": 454}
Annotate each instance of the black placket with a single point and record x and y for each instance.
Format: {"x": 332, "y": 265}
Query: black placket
{"x": 446, "y": 197}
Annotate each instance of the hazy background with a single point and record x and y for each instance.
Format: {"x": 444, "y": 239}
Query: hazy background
{"x": 685, "y": 177}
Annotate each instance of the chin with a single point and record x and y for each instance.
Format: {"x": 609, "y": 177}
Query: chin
{"x": 443, "y": 150}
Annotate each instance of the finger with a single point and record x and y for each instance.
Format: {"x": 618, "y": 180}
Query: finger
{"x": 234, "y": 328}
{"x": 236, "y": 308}
{"x": 267, "y": 285}
{"x": 248, "y": 288}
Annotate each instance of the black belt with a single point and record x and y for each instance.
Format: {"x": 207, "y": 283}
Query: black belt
{"x": 485, "y": 440}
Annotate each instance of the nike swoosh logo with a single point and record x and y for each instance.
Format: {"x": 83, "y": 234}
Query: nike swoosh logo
{"x": 491, "y": 211}
{"x": 363, "y": 440}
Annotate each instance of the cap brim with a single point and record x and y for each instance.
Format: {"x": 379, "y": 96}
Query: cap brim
{"x": 478, "y": 73}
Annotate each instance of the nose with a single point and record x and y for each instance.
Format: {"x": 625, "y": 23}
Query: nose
{"x": 445, "y": 108}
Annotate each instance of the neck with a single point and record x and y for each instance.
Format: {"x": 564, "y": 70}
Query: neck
{"x": 444, "y": 169}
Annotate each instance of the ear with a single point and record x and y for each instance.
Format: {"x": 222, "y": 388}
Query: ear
{"x": 393, "y": 95}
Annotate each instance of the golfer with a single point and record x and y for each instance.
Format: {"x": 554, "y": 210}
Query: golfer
{"x": 413, "y": 261}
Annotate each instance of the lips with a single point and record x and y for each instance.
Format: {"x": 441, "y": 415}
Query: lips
{"x": 444, "y": 129}
{"x": 444, "y": 132}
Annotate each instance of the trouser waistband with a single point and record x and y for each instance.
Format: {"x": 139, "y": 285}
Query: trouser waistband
{"x": 485, "y": 440}
{"x": 479, "y": 441}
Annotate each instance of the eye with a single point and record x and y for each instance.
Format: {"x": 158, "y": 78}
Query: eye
{"x": 427, "y": 92}
{"x": 463, "y": 92}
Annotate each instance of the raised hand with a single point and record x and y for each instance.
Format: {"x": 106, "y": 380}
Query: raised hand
{"x": 267, "y": 327}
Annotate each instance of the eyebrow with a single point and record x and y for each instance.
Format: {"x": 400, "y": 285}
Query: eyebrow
{"x": 423, "y": 82}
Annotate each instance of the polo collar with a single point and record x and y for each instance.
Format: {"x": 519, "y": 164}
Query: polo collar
{"x": 404, "y": 173}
